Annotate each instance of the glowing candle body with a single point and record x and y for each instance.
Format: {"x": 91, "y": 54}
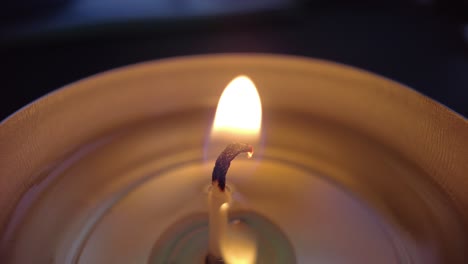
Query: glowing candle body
{"x": 216, "y": 198}
{"x": 237, "y": 243}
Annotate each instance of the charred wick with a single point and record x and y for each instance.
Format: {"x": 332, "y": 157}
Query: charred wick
{"x": 224, "y": 161}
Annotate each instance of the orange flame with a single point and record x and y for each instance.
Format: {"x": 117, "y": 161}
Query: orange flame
{"x": 239, "y": 109}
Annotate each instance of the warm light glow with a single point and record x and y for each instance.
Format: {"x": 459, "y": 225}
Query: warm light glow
{"x": 239, "y": 109}
{"x": 237, "y": 244}
{"x": 224, "y": 207}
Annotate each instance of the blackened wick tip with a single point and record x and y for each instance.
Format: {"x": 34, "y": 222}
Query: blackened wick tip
{"x": 224, "y": 161}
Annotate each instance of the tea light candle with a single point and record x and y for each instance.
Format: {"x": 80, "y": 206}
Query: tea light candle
{"x": 132, "y": 183}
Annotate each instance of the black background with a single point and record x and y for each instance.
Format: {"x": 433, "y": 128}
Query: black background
{"x": 422, "y": 44}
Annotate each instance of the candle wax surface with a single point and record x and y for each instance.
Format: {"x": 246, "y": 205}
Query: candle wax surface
{"x": 116, "y": 197}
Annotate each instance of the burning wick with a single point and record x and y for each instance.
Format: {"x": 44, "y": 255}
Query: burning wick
{"x": 230, "y": 243}
{"x": 224, "y": 161}
{"x": 224, "y": 243}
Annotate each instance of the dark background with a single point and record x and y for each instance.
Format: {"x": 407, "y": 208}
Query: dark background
{"x": 45, "y": 44}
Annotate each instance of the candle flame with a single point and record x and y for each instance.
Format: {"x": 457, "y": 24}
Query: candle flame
{"x": 239, "y": 109}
